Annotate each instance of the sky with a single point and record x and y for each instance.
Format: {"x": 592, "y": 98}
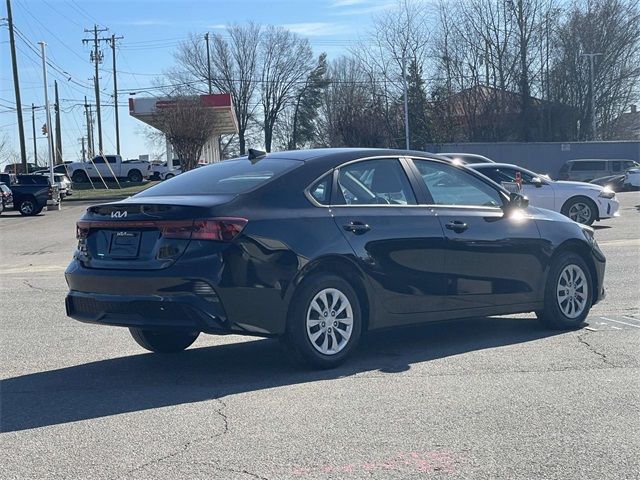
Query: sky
{"x": 152, "y": 30}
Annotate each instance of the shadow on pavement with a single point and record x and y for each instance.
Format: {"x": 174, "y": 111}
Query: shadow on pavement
{"x": 146, "y": 381}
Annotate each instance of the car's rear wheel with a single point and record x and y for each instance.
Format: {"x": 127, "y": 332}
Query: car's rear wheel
{"x": 28, "y": 207}
{"x": 134, "y": 176}
{"x": 325, "y": 321}
{"x": 568, "y": 293}
{"x": 80, "y": 176}
{"x": 163, "y": 342}
{"x": 168, "y": 176}
{"x": 580, "y": 209}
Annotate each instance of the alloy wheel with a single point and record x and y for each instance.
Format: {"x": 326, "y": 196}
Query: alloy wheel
{"x": 329, "y": 321}
{"x": 580, "y": 212}
{"x": 26, "y": 207}
{"x": 572, "y": 291}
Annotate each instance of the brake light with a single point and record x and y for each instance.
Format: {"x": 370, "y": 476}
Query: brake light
{"x": 223, "y": 229}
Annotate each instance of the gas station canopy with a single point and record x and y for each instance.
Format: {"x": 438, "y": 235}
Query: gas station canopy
{"x": 145, "y": 109}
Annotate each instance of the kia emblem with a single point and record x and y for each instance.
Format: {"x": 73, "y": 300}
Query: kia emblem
{"x": 119, "y": 214}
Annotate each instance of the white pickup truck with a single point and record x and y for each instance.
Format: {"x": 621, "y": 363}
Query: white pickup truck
{"x": 108, "y": 166}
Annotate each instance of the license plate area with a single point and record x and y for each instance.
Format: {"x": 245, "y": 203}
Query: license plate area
{"x": 125, "y": 244}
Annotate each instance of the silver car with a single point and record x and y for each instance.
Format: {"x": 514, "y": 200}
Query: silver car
{"x": 587, "y": 169}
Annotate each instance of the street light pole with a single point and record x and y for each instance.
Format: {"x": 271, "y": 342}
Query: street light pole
{"x": 591, "y": 56}
{"x": 47, "y": 111}
{"x": 406, "y": 101}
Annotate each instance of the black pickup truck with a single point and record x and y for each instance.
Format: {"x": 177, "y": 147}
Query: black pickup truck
{"x": 30, "y": 195}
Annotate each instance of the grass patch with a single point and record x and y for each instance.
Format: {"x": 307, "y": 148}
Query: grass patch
{"x": 85, "y": 192}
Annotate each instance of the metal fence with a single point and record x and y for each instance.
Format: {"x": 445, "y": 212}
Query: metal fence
{"x": 544, "y": 157}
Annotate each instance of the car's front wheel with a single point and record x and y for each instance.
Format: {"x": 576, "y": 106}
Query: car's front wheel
{"x": 580, "y": 209}
{"x": 168, "y": 176}
{"x": 568, "y": 293}
{"x": 134, "y": 176}
{"x": 325, "y": 321}
{"x": 163, "y": 341}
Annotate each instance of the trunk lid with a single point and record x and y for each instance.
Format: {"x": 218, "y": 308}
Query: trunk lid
{"x": 141, "y": 233}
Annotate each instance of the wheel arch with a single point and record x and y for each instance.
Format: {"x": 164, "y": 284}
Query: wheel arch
{"x": 583, "y": 249}
{"x": 564, "y": 208}
{"x": 340, "y": 267}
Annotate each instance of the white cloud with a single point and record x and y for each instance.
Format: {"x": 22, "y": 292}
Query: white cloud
{"x": 364, "y": 7}
{"x": 147, "y": 22}
{"x": 217, "y": 26}
{"x": 347, "y": 3}
{"x": 315, "y": 29}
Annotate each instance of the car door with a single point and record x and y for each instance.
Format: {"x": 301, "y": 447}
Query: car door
{"x": 492, "y": 258}
{"x": 397, "y": 243}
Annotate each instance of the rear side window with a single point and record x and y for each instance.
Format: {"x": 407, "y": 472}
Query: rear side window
{"x": 227, "y": 177}
{"x": 375, "y": 182}
{"x": 588, "y": 166}
{"x": 321, "y": 190}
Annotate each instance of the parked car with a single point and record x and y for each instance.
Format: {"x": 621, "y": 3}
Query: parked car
{"x": 319, "y": 246}
{"x": 8, "y": 178}
{"x": 162, "y": 171}
{"x": 62, "y": 168}
{"x": 466, "y": 158}
{"x": 108, "y": 166}
{"x": 6, "y": 197}
{"x": 65, "y": 187}
{"x": 30, "y": 198}
{"x": 585, "y": 170}
{"x": 16, "y": 168}
{"x": 632, "y": 178}
{"x": 613, "y": 182}
{"x": 582, "y": 202}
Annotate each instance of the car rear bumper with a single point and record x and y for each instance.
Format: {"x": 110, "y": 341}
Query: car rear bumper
{"x": 175, "y": 312}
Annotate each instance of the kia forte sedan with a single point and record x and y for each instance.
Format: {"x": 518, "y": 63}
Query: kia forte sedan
{"x": 320, "y": 246}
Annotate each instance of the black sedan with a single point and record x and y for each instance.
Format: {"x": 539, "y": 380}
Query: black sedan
{"x": 320, "y": 246}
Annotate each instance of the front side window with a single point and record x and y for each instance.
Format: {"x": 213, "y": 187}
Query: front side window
{"x": 588, "y": 165}
{"x": 375, "y": 182}
{"x": 449, "y": 185}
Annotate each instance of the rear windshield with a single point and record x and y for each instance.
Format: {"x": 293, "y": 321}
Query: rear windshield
{"x": 227, "y": 177}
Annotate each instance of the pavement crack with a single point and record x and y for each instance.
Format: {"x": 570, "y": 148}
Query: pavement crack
{"x": 33, "y": 287}
{"x": 186, "y": 445}
{"x": 593, "y": 349}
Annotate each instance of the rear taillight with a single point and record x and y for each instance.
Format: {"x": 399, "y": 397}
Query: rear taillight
{"x": 223, "y": 229}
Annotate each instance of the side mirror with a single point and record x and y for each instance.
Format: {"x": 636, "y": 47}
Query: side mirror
{"x": 537, "y": 182}
{"x": 517, "y": 200}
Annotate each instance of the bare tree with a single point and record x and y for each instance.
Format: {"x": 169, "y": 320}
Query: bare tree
{"x": 187, "y": 124}
{"x": 286, "y": 63}
{"x": 234, "y": 69}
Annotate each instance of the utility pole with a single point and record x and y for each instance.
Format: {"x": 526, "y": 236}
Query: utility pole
{"x": 33, "y": 127}
{"x": 47, "y": 111}
{"x": 92, "y": 131}
{"x": 87, "y": 113}
{"x": 84, "y": 152}
{"x": 592, "y": 102}
{"x": 58, "y": 156}
{"x": 96, "y": 57}
{"x": 206, "y": 39}
{"x": 406, "y": 101}
{"x": 112, "y": 42}
{"x": 16, "y": 86}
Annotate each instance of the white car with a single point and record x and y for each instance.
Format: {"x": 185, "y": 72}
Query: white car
{"x": 632, "y": 178}
{"x": 582, "y": 202}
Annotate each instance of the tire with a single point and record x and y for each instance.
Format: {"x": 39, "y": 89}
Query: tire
{"x": 28, "y": 207}
{"x": 134, "y": 176}
{"x": 168, "y": 176}
{"x": 1, "y": 208}
{"x": 580, "y": 209}
{"x": 163, "y": 342}
{"x": 305, "y": 322}
{"x": 558, "y": 313}
{"x": 80, "y": 176}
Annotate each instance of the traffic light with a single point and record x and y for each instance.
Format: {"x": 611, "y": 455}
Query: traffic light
{"x": 45, "y": 129}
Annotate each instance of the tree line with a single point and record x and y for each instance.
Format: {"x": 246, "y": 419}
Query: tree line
{"x": 475, "y": 70}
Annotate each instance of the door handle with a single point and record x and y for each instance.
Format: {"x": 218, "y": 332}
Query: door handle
{"x": 457, "y": 226}
{"x": 356, "y": 227}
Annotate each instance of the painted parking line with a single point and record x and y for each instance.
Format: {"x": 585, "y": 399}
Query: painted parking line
{"x": 621, "y": 322}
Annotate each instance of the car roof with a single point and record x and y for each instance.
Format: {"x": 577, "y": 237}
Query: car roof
{"x": 331, "y": 157}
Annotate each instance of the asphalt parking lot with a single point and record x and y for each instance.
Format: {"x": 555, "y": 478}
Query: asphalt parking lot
{"x": 480, "y": 398}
